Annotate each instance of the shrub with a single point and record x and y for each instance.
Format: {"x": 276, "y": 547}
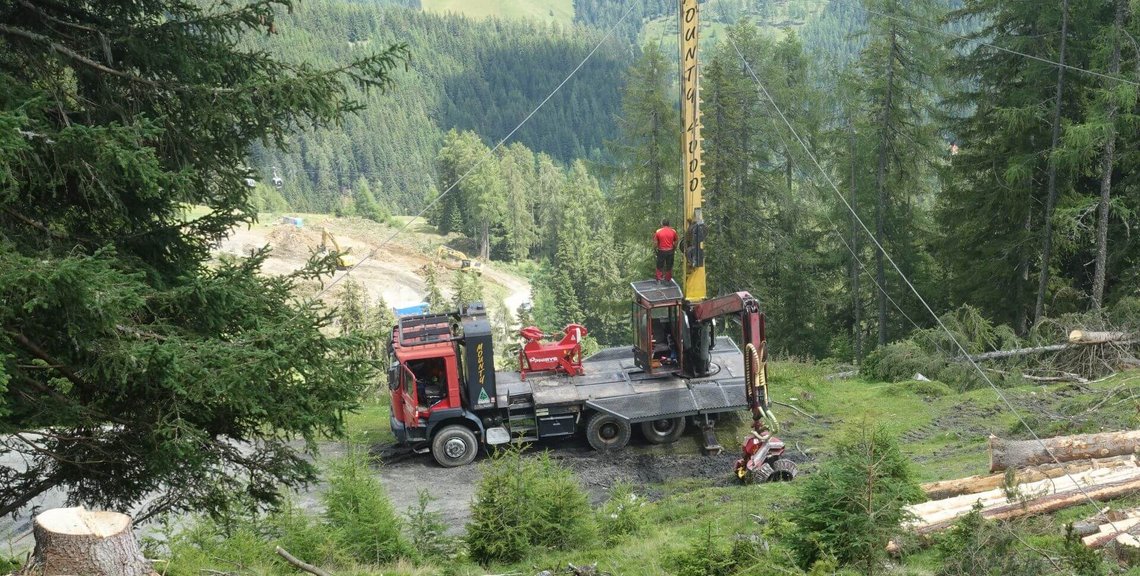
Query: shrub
{"x": 622, "y": 515}
{"x": 854, "y": 505}
{"x": 523, "y": 502}
{"x": 428, "y": 530}
{"x": 359, "y": 513}
{"x": 900, "y": 361}
{"x": 973, "y": 546}
{"x": 702, "y": 557}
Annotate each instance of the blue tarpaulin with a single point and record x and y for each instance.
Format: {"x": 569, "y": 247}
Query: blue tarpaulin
{"x": 421, "y": 308}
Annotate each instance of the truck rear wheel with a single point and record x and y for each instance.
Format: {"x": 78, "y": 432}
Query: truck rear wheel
{"x": 663, "y": 431}
{"x": 453, "y": 446}
{"x": 607, "y": 432}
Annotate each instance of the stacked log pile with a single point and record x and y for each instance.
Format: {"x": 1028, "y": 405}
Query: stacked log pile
{"x": 1099, "y": 467}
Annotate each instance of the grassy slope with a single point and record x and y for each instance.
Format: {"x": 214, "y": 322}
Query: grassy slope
{"x": 548, "y": 10}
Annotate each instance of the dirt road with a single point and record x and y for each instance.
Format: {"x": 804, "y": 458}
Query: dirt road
{"x": 395, "y": 270}
{"x": 641, "y": 464}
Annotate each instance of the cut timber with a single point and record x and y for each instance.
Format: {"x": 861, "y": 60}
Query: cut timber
{"x": 1046, "y": 504}
{"x": 940, "y": 512}
{"x": 1006, "y": 454}
{"x": 1106, "y": 533}
{"x": 974, "y": 484}
{"x": 80, "y": 541}
{"x": 1085, "y": 337}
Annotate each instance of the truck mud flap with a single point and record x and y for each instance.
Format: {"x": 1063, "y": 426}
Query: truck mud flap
{"x": 700, "y": 398}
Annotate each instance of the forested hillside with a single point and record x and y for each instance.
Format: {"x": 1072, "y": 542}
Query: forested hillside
{"x": 1011, "y": 225}
{"x": 479, "y": 75}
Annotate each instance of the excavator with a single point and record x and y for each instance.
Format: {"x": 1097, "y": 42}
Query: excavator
{"x": 456, "y": 260}
{"x": 344, "y": 259}
{"x": 448, "y": 399}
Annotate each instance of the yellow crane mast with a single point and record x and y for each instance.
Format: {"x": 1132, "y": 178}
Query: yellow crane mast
{"x": 694, "y": 224}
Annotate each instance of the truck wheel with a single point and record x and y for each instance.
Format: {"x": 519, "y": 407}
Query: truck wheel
{"x": 663, "y": 431}
{"x": 453, "y": 446}
{"x": 607, "y": 432}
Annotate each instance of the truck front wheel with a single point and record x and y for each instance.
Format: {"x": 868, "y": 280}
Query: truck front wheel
{"x": 607, "y": 432}
{"x": 453, "y": 446}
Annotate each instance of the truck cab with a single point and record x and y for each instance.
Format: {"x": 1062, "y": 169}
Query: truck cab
{"x": 442, "y": 378}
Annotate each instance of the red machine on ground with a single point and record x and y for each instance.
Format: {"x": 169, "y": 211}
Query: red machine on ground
{"x": 563, "y": 356}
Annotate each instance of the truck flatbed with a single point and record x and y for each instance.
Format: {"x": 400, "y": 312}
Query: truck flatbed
{"x": 613, "y": 384}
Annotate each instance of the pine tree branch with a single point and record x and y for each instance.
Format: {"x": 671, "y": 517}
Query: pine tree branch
{"x": 43, "y": 355}
{"x": 65, "y": 51}
{"x": 44, "y": 14}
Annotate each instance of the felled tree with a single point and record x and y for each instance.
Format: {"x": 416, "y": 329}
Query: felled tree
{"x": 132, "y": 369}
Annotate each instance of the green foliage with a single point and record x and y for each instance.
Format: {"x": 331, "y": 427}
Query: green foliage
{"x": 622, "y": 515}
{"x": 435, "y": 300}
{"x": 364, "y": 524}
{"x": 479, "y": 76}
{"x": 268, "y": 199}
{"x": 901, "y": 361}
{"x": 854, "y": 504}
{"x": 359, "y": 527}
{"x": 1083, "y": 561}
{"x": 427, "y": 529}
{"x": 934, "y": 354}
{"x": 144, "y": 362}
{"x": 525, "y": 502}
{"x": 974, "y": 546}
{"x": 703, "y": 557}
{"x": 365, "y": 204}
{"x": 648, "y": 176}
{"x": 466, "y": 287}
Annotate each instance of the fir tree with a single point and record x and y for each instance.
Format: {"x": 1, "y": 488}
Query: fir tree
{"x": 143, "y": 364}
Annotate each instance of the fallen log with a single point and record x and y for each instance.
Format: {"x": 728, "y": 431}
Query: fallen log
{"x": 299, "y": 564}
{"x": 1046, "y": 504}
{"x": 949, "y": 509}
{"x": 974, "y": 484}
{"x": 1005, "y": 454}
{"x": 999, "y": 354}
{"x": 1088, "y": 337}
{"x": 1065, "y": 377}
{"x": 81, "y": 541}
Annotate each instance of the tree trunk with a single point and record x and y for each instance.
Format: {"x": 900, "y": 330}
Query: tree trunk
{"x": 881, "y": 184}
{"x": 1006, "y": 454}
{"x": 1021, "y": 322}
{"x": 79, "y": 541}
{"x": 856, "y": 304}
{"x": 1051, "y": 200}
{"x": 1106, "y": 168}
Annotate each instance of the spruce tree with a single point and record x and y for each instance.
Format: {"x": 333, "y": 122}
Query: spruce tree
{"x": 155, "y": 377}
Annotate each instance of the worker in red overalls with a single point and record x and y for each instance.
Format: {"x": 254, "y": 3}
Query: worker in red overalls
{"x": 666, "y": 239}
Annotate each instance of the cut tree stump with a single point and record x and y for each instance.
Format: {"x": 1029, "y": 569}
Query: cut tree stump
{"x": 81, "y": 541}
{"x": 1005, "y": 454}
